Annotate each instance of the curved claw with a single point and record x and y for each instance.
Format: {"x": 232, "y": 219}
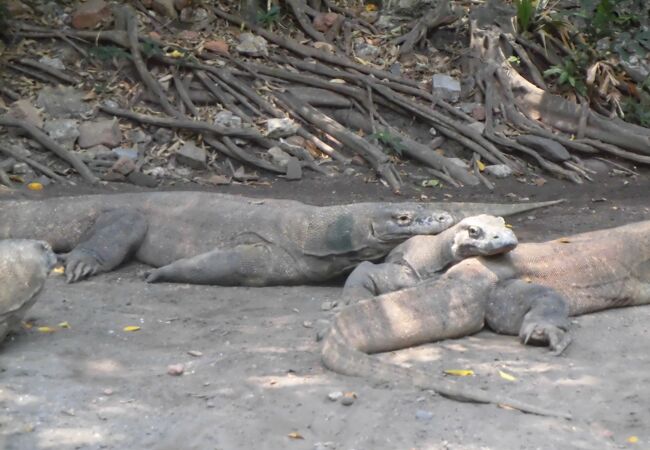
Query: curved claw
{"x": 151, "y": 276}
{"x": 79, "y": 265}
{"x": 555, "y": 337}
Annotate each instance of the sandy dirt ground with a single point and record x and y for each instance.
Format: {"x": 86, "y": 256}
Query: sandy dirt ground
{"x": 256, "y": 381}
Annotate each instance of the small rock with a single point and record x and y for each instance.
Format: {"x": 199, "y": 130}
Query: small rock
{"x": 97, "y": 152}
{"x": 142, "y": 179}
{"x": 107, "y": 392}
{"x": 217, "y": 180}
{"x": 90, "y": 14}
{"x": 596, "y": 165}
{"x": 192, "y": 156}
{"x": 326, "y": 306}
{"x": 21, "y": 168}
{"x": 219, "y": 47}
{"x": 52, "y": 62}
{"x": 459, "y": 162}
{"x": 278, "y": 156}
{"x": 227, "y": 119}
{"x": 498, "y": 170}
{"x": 105, "y": 132}
{"x": 446, "y": 87}
{"x": 157, "y": 172}
{"x": 294, "y": 169}
{"x": 138, "y": 136}
{"x": 63, "y": 131}
{"x": 165, "y": 8}
{"x": 423, "y": 415}
{"x": 125, "y": 152}
{"x": 349, "y": 172}
{"x": 324, "y": 21}
{"x": 348, "y": 398}
{"x": 325, "y": 46}
{"x": 277, "y": 128}
{"x": 175, "y": 369}
{"x": 335, "y": 396}
{"x": 479, "y": 127}
{"x": 252, "y": 45}
{"x": 163, "y": 135}
{"x": 123, "y": 166}
{"x": 308, "y": 324}
{"x": 24, "y": 110}
{"x": 478, "y": 113}
{"x": 195, "y": 353}
{"x": 366, "y": 51}
{"x": 357, "y": 160}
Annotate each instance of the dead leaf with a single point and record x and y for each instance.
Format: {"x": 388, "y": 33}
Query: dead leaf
{"x": 295, "y": 435}
{"x": 46, "y": 329}
{"x": 131, "y": 328}
{"x": 632, "y": 439}
{"x": 64, "y": 325}
{"x": 35, "y": 186}
{"x": 459, "y": 372}
{"x": 481, "y": 166}
{"x": 564, "y": 240}
{"x": 59, "y": 270}
{"x": 506, "y": 376}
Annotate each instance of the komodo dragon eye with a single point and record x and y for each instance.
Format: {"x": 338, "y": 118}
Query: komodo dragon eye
{"x": 473, "y": 231}
{"x": 403, "y": 219}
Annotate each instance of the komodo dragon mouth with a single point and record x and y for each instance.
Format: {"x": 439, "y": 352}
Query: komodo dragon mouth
{"x": 407, "y": 224}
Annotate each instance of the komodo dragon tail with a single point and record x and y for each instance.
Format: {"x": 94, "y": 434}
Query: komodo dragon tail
{"x": 343, "y": 359}
{"x": 461, "y": 210}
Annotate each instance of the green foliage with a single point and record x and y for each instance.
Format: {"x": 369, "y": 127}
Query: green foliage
{"x": 637, "y": 111}
{"x": 266, "y": 18}
{"x": 150, "y": 48}
{"x": 389, "y": 140}
{"x": 525, "y": 14}
{"x": 570, "y": 73}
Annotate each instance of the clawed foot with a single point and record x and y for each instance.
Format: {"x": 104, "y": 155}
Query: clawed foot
{"x": 151, "y": 276}
{"x": 80, "y": 264}
{"x": 555, "y": 337}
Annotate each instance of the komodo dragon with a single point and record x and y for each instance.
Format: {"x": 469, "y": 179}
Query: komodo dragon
{"x": 206, "y": 238}
{"x": 530, "y": 291}
{"x": 422, "y": 257}
{"x": 24, "y": 266}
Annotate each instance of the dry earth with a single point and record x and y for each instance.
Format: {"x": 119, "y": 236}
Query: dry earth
{"x": 259, "y": 377}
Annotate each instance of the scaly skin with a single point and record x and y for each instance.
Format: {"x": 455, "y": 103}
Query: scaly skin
{"x": 199, "y": 237}
{"x": 530, "y": 291}
{"x": 422, "y": 257}
{"x": 24, "y": 266}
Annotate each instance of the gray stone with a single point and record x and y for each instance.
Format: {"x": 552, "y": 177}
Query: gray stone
{"x": 446, "y": 87}
{"x": 479, "y": 127}
{"x": 227, "y": 119}
{"x": 459, "y": 162}
{"x": 63, "y": 131}
{"x": 105, "y": 132}
{"x": 348, "y": 399}
{"x": 21, "y": 168}
{"x": 24, "y": 110}
{"x": 192, "y": 156}
{"x": 97, "y": 152}
{"x": 498, "y": 170}
{"x": 335, "y": 396}
{"x": 596, "y": 165}
{"x": 138, "y": 136}
{"x": 141, "y": 179}
{"x": 366, "y": 51}
{"x": 63, "y": 101}
{"x": 294, "y": 169}
{"x": 277, "y": 128}
{"x": 52, "y": 62}
{"x": 547, "y": 148}
{"x": 163, "y": 136}
{"x": 423, "y": 415}
{"x": 252, "y": 45}
{"x": 125, "y": 152}
{"x": 279, "y": 157}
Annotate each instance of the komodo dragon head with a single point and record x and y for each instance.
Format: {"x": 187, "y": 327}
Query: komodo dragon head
{"x": 399, "y": 222}
{"x": 482, "y": 235}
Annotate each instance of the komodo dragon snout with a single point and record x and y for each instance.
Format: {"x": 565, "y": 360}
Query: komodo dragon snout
{"x": 395, "y": 223}
{"x": 483, "y": 235}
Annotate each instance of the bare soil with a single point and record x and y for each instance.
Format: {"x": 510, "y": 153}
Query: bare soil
{"x": 259, "y": 379}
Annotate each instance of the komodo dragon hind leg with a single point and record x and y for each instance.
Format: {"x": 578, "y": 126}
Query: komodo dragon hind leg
{"x": 538, "y": 314}
{"x": 115, "y": 235}
{"x": 241, "y": 265}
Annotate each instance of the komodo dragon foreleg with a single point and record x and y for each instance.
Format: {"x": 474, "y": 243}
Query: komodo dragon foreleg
{"x": 115, "y": 235}
{"x": 257, "y": 264}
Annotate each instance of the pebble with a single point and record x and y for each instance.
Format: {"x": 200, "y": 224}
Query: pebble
{"x": 326, "y": 306}
{"x": 335, "y": 396}
{"x": 423, "y": 415}
{"x": 175, "y": 369}
{"x": 195, "y": 353}
{"x": 348, "y": 398}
